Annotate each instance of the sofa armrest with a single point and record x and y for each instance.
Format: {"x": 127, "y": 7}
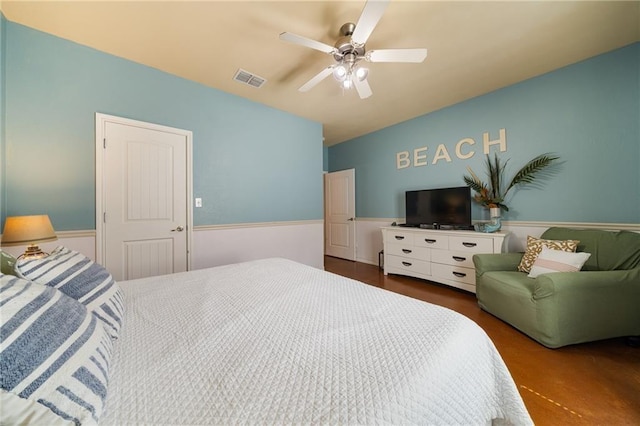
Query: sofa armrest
{"x": 486, "y": 262}
{"x": 582, "y": 306}
{"x": 606, "y": 283}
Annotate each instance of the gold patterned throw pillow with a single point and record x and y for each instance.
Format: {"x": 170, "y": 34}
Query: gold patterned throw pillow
{"x": 534, "y": 247}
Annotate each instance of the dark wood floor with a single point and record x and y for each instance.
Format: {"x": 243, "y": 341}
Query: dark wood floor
{"x": 589, "y": 384}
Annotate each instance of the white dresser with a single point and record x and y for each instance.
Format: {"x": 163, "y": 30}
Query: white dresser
{"x": 437, "y": 255}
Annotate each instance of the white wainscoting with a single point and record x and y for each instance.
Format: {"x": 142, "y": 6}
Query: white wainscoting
{"x": 302, "y": 241}
{"x": 369, "y": 236}
{"x": 221, "y": 245}
{"x": 81, "y": 241}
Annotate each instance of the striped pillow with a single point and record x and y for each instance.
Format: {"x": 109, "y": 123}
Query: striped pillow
{"x": 80, "y": 278}
{"x": 53, "y": 354}
{"x": 550, "y": 260}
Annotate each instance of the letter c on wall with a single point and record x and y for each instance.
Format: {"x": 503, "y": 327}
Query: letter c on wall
{"x": 459, "y": 153}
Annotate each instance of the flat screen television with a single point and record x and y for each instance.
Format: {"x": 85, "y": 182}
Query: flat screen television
{"x": 446, "y": 208}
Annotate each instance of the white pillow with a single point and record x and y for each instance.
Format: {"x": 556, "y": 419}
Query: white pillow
{"x": 550, "y": 260}
{"x": 23, "y": 411}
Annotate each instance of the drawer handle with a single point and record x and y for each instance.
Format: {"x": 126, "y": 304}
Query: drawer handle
{"x": 459, "y": 258}
{"x": 406, "y": 251}
{"x": 406, "y": 263}
{"x": 399, "y": 237}
{"x": 429, "y": 240}
{"x": 469, "y": 244}
{"x": 459, "y": 274}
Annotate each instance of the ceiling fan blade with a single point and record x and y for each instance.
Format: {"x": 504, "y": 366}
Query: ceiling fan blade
{"x": 363, "y": 88}
{"x": 371, "y": 14}
{"x": 396, "y": 55}
{"x": 317, "y": 79}
{"x": 307, "y": 42}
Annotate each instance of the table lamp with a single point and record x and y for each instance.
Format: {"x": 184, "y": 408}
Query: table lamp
{"x": 29, "y": 230}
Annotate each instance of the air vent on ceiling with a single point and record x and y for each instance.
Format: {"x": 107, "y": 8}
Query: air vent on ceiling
{"x": 247, "y": 78}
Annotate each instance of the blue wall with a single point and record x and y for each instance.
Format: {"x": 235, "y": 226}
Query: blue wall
{"x": 587, "y": 113}
{"x": 245, "y": 167}
{"x": 325, "y": 158}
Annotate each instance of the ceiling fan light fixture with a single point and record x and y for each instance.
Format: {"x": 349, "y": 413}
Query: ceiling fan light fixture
{"x": 347, "y": 84}
{"x": 340, "y": 72}
{"x": 362, "y": 73}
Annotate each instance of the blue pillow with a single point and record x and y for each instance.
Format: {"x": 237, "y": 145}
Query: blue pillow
{"x": 80, "y": 278}
{"x": 54, "y": 356}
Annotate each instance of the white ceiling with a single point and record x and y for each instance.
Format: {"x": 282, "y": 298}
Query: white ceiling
{"x": 474, "y": 47}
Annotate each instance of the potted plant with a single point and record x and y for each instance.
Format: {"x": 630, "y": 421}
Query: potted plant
{"x": 492, "y": 194}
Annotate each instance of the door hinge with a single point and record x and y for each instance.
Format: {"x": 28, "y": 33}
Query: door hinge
{"x": 104, "y": 217}
{"x": 104, "y": 143}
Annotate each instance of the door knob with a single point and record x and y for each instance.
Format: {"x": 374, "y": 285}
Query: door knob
{"x": 178, "y": 229}
{"x": 351, "y": 219}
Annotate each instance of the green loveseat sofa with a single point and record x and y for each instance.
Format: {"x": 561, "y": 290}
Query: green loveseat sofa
{"x": 600, "y": 301}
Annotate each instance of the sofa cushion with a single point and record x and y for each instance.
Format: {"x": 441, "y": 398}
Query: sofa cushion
{"x": 610, "y": 250}
{"x": 7, "y": 263}
{"x": 550, "y": 260}
{"x": 534, "y": 246}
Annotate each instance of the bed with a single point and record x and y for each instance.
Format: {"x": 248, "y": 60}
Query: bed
{"x": 275, "y": 342}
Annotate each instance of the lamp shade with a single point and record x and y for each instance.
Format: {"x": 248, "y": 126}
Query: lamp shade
{"x": 22, "y": 230}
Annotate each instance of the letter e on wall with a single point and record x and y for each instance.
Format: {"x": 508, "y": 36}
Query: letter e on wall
{"x": 419, "y": 159}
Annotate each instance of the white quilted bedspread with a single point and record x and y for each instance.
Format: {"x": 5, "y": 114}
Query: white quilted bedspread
{"x": 275, "y": 342}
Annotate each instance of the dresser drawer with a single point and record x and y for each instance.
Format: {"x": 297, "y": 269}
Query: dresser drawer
{"x": 471, "y": 244}
{"x": 455, "y": 258}
{"x": 432, "y": 240}
{"x": 454, "y": 273}
{"x": 444, "y": 256}
{"x": 411, "y": 266}
{"x": 408, "y": 251}
{"x": 403, "y": 237}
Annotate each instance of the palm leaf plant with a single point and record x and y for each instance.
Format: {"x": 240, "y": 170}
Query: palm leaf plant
{"x": 492, "y": 193}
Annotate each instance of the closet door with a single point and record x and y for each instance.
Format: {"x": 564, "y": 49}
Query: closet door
{"x": 145, "y": 209}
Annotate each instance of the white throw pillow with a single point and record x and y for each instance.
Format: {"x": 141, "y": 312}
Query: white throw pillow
{"x": 24, "y": 411}
{"x": 550, "y": 260}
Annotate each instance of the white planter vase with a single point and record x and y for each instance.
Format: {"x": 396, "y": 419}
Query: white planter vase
{"x": 493, "y": 225}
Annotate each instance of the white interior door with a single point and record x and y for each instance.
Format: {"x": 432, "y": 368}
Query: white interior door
{"x": 340, "y": 214}
{"x": 145, "y": 219}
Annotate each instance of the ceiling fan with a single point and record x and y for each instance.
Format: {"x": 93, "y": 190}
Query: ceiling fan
{"x": 350, "y": 50}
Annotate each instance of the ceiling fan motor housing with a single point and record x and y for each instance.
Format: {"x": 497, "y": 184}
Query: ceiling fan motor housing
{"x": 344, "y": 46}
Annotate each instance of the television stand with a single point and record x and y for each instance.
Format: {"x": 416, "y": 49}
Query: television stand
{"x": 442, "y": 256}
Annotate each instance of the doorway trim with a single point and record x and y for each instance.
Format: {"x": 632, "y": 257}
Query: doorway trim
{"x": 100, "y": 122}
